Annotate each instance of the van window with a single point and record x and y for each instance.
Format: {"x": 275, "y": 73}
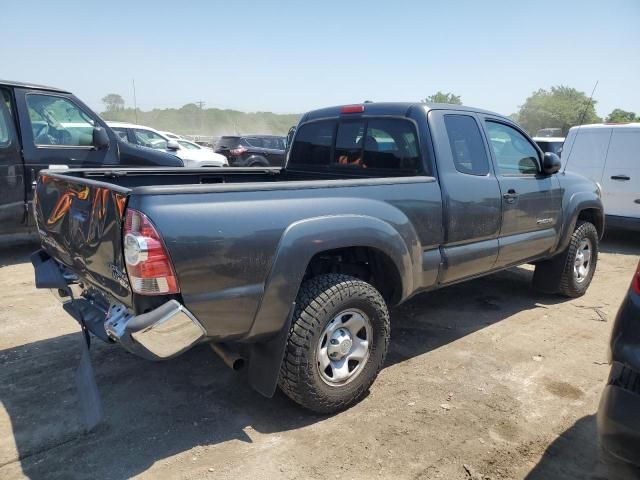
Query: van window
{"x": 624, "y": 151}
{"x": 312, "y": 145}
{"x": 467, "y": 147}
{"x": 59, "y": 121}
{"x": 122, "y": 133}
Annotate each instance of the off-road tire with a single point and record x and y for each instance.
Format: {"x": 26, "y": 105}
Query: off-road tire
{"x": 556, "y": 275}
{"x": 569, "y": 286}
{"x": 319, "y": 300}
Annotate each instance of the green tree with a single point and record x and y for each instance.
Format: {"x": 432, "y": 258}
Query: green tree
{"x": 113, "y": 102}
{"x": 441, "y": 97}
{"x": 621, "y": 116}
{"x": 560, "y": 107}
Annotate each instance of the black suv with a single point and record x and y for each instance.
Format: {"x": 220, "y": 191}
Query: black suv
{"x": 252, "y": 150}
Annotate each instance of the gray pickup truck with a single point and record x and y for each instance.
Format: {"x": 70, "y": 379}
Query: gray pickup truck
{"x": 294, "y": 268}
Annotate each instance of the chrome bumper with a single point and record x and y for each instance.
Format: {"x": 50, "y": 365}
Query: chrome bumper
{"x": 159, "y": 334}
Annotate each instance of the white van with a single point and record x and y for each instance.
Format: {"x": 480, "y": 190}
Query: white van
{"x": 610, "y": 155}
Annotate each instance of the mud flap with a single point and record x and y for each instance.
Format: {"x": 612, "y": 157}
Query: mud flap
{"x": 265, "y": 360}
{"x": 88, "y": 395}
{"x": 547, "y": 275}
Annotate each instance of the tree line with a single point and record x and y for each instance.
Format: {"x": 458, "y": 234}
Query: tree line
{"x": 559, "y": 107}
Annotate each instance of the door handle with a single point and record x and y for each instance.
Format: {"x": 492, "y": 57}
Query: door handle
{"x": 620, "y": 177}
{"x": 510, "y": 196}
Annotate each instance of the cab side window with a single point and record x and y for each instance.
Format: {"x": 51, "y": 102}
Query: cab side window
{"x": 58, "y": 121}
{"x": 467, "y": 147}
{"x": 514, "y": 154}
{"x": 149, "y": 139}
{"x": 122, "y": 134}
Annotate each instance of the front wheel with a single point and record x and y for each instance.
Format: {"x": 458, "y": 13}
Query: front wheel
{"x": 337, "y": 343}
{"x": 575, "y": 267}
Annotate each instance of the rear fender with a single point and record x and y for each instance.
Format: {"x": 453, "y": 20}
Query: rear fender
{"x": 299, "y": 243}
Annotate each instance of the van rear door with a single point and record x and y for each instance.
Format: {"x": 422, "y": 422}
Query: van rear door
{"x": 621, "y": 177}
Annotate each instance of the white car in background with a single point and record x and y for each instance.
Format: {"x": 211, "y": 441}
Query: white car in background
{"x": 192, "y": 155}
{"x": 609, "y": 154}
{"x": 172, "y": 136}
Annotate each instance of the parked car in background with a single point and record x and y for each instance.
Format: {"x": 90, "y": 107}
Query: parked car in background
{"x": 550, "y": 144}
{"x": 150, "y": 138}
{"x": 45, "y": 127}
{"x": 549, "y": 132}
{"x": 252, "y": 150}
{"x": 619, "y": 411}
{"x": 295, "y": 267}
{"x": 610, "y": 155}
{"x": 170, "y": 135}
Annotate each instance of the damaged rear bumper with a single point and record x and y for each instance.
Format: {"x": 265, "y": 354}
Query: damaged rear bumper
{"x": 162, "y": 333}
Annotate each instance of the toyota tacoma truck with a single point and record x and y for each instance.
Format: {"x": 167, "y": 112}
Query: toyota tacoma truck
{"x": 293, "y": 269}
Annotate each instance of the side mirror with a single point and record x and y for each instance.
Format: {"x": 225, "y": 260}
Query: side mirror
{"x": 100, "y": 138}
{"x": 173, "y": 145}
{"x": 290, "y": 134}
{"x": 550, "y": 163}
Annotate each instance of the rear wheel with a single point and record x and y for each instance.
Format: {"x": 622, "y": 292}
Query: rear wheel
{"x": 337, "y": 343}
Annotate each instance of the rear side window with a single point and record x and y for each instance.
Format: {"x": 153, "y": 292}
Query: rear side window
{"x": 254, "y": 142}
{"x": 467, "y": 147}
{"x": 312, "y": 145}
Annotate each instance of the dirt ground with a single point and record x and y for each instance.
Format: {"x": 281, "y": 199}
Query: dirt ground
{"x": 486, "y": 379}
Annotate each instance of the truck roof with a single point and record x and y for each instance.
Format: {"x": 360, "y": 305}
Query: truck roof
{"x": 394, "y": 108}
{"x": 10, "y": 83}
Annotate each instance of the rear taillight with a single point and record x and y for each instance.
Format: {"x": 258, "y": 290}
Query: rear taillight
{"x": 236, "y": 152}
{"x": 148, "y": 263}
{"x": 635, "y": 283}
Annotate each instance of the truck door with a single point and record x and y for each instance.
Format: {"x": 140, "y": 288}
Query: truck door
{"x": 12, "y": 188}
{"x": 57, "y": 132}
{"x": 470, "y": 193}
{"x": 531, "y": 200}
{"x": 621, "y": 176}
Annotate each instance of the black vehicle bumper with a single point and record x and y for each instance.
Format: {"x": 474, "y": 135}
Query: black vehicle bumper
{"x": 619, "y": 410}
{"x": 619, "y": 414}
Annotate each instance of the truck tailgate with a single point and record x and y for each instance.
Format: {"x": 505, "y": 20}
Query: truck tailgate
{"x": 80, "y": 225}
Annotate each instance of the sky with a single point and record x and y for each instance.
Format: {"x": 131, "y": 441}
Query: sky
{"x": 293, "y": 56}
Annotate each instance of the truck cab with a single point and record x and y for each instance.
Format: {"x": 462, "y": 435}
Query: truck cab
{"x": 49, "y": 128}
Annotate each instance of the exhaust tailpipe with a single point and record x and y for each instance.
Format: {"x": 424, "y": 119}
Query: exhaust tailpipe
{"x": 231, "y": 358}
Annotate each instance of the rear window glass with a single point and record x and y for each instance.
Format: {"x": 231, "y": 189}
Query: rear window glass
{"x": 365, "y": 144}
{"x": 312, "y": 145}
{"x": 467, "y": 147}
{"x": 227, "y": 143}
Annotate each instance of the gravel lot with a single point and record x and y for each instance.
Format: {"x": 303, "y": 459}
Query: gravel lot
{"x": 486, "y": 379}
